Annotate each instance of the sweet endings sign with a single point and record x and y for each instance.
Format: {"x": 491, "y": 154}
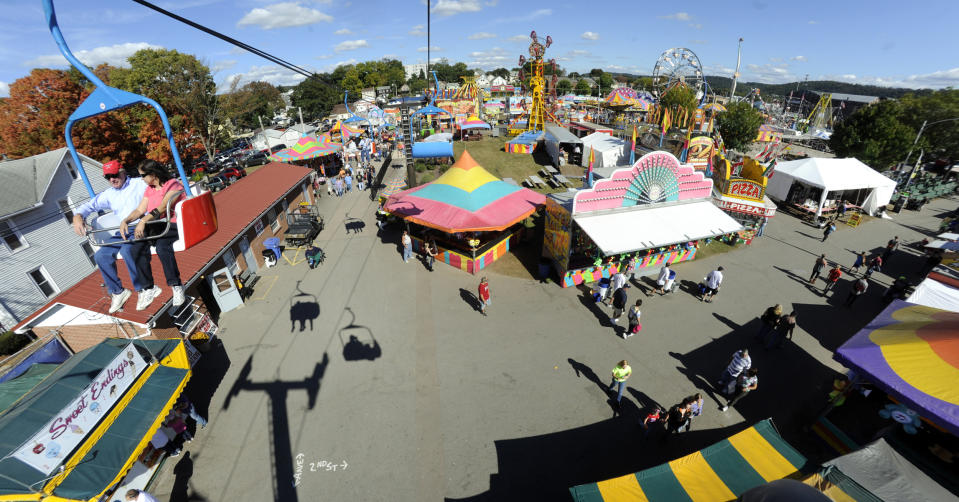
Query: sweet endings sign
{"x": 49, "y": 447}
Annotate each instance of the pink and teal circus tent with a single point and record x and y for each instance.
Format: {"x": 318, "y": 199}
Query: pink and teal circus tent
{"x": 466, "y": 198}
{"x": 472, "y": 122}
{"x": 911, "y": 352}
{"x": 307, "y": 148}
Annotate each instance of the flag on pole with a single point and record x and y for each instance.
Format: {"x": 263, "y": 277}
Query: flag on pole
{"x": 770, "y": 169}
{"x": 666, "y": 121}
{"x": 589, "y": 170}
{"x": 632, "y": 148}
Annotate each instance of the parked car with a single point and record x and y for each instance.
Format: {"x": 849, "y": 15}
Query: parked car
{"x": 233, "y": 173}
{"x": 217, "y": 183}
{"x": 255, "y": 159}
{"x": 277, "y": 148}
{"x": 225, "y": 154}
{"x": 228, "y": 163}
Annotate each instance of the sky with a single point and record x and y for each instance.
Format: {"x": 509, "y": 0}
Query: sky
{"x": 878, "y": 43}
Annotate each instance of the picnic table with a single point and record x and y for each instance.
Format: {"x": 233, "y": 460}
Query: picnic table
{"x": 511, "y": 181}
{"x": 562, "y": 179}
{"x": 552, "y": 170}
{"x": 536, "y": 180}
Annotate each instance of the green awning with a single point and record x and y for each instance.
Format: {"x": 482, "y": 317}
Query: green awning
{"x": 14, "y": 389}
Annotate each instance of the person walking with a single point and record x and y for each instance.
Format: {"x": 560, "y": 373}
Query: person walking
{"x": 661, "y": 280}
{"x": 695, "y": 408}
{"x": 860, "y": 261}
{"x": 875, "y": 265}
{"x": 619, "y": 305}
{"x": 858, "y": 288}
{"x": 737, "y": 364}
{"x": 817, "y": 267}
{"x": 429, "y": 248}
{"x": 633, "y": 316}
{"x": 832, "y": 279}
{"x": 931, "y": 263}
{"x": 784, "y": 331}
{"x": 762, "y": 226}
{"x": 713, "y": 281}
{"x": 768, "y": 321}
{"x": 407, "y": 246}
{"x": 484, "y": 295}
{"x": 653, "y": 421}
{"x": 618, "y": 280}
{"x": 678, "y": 418}
{"x": 746, "y": 384}
{"x": 830, "y": 228}
{"x": 891, "y": 246}
{"x": 620, "y": 374}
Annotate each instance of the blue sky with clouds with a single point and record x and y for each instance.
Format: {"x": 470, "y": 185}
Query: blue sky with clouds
{"x": 881, "y": 43}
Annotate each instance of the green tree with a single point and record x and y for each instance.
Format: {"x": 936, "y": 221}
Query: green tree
{"x": 875, "y": 134}
{"x": 316, "y": 96}
{"x": 739, "y": 125}
{"x": 417, "y": 85}
{"x": 244, "y": 105}
{"x": 596, "y": 72}
{"x": 942, "y": 139}
{"x": 563, "y": 86}
{"x": 583, "y": 87}
{"x": 605, "y": 82}
{"x": 499, "y": 72}
{"x": 680, "y": 96}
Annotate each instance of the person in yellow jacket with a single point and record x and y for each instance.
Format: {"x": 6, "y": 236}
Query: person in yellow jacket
{"x": 620, "y": 374}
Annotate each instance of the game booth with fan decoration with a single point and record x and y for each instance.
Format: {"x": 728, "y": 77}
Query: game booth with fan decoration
{"x": 658, "y": 210}
{"x": 473, "y": 217}
{"x": 740, "y": 191}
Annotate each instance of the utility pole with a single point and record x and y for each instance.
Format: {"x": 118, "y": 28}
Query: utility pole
{"x": 428, "y": 46}
{"x": 739, "y": 61}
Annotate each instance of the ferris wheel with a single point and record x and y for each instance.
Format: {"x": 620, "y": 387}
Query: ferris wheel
{"x": 678, "y": 65}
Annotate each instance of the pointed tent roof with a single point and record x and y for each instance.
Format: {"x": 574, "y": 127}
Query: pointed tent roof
{"x": 307, "y": 147}
{"x": 466, "y": 198}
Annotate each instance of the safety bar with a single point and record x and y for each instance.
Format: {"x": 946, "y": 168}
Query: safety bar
{"x": 166, "y": 219}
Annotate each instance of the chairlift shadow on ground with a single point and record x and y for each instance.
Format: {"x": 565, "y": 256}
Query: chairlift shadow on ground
{"x": 303, "y": 308}
{"x": 360, "y": 343}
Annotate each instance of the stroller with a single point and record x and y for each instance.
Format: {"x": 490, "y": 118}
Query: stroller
{"x": 314, "y": 256}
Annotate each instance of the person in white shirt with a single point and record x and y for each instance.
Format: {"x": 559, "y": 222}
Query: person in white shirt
{"x": 663, "y": 277}
{"x": 713, "y": 281}
{"x": 140, "y": 496}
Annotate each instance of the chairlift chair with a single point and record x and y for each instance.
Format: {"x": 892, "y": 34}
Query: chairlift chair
{"x": 430, "y": 150}
{"x": 196, "y": 215}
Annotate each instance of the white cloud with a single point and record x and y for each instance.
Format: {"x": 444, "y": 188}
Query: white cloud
{"x": 935, "y": 80}
{"x": 324, "y": 56}
{"x": 445, "y": 8}
{"x": 775, "y": 60}
{"x": 283, "y": 15}
{"x": 577, "y": 52}
{"x": 679, "y": 16}
{"x": 769, "y": 73}
{"x": 528, "y": 17}
{"x": 114, "y": 55}
{"x": 481, "y": 35}
{"x": 718, "y": 69}
{"x": 343, "y": 31}
{"x": 801, "y": 59}
{"x": 4, "y": 90}
{"x": 519, "y": 38}
{"x": 350, "y": 45}
{"x": 493, "y": 58}
{"x": 589, "y": 35}
{"x": 276, "y": 75}
{"x": 226, "y": 64}
{"x": 418, "y": 30}
{"x": 696, "y": 26}
{"x": 432, "y": 48}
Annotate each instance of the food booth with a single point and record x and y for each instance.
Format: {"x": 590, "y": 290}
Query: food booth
{"x": 657, "y": 210}
{"x": 742, "y": 194}
{"x": 472, "y": 216}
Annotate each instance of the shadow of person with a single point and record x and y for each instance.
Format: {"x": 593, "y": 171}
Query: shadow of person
{"x": 355, "y": 350}
{"x": 303, "y": 311}
{"x": 586, "y": 298}
{"x": 690, "y": 287}
{"x": 727, "y": 321}
{"x": 470, "y": 299}
{"x": 183, "y": 471}
{"x": 583, "y": 370}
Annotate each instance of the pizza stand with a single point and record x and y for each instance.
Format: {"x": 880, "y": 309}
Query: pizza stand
{"x": 473, "y": 217}
{"x": 658, "y": 210}
{"x": 742, "y": 195}
{"x": 84, "y": 431}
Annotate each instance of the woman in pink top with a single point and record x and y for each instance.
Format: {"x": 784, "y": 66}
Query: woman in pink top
{"x": 161, "y": 188}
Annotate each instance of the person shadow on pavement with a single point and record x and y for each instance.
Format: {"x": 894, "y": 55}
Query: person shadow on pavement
{"x": 586, "y": 298}
{"x": 470, "y": 298}
{"x": 624, "y": 408}
{"x": 183, "y": 471}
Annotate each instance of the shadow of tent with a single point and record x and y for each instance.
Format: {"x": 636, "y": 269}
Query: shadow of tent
{"x": 206, "y": 378}
{"x": 545, "y": 467}
{"x": 792, "y": 384}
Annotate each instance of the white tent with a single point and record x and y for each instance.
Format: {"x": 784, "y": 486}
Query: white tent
{"x": 832, "y": 175}
{"x": 607, "y": 150}
{"x": 933, "y": 293}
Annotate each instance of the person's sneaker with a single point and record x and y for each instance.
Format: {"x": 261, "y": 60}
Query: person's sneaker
{"x": 178, "y": 296}
{"x": 146, "y": 297}
{"x": 117, "y": 300}
{"x": 176, "y": 453}
{"x": 724, "y": 408}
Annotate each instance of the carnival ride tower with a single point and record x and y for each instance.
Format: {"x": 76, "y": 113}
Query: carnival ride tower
{"x": 536, "y": 113}
{"x": 470, "y": 91}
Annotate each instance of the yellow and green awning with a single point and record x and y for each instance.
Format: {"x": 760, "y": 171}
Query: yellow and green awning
{"x": 721, "y": 471}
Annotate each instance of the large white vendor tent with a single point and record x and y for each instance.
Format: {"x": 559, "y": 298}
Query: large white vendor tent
{"x": 937, "y": 291}
{"x": 607, "y": 150}
{"x": 832, "y": 175}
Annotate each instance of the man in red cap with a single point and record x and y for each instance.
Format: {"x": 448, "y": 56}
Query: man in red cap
{"x": 121, "y": 198}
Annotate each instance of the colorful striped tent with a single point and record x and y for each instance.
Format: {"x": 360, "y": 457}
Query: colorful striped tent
{"x": 911, "y": 352}
{"x": 721, "y": 471}
{"x": 472, "y": 122}
{"x": 768, "y": 133}
{"x": 466, "y": 198}
{"x": 622, "y": 96}
{"x": 307, "y": 148}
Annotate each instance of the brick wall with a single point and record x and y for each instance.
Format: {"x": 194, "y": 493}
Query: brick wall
{"x": 85, "y": 336}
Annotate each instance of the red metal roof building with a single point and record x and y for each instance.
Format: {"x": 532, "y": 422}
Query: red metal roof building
{"x": 238, "y": 207}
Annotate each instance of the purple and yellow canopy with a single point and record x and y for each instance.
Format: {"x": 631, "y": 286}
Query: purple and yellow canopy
{"x": 911, "y": 352}
{"x": 306, "y": 148}
{"x": 466, "y": 198}
{"x": 472, "y": 122}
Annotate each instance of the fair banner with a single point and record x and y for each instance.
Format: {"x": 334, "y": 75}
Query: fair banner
{"x": 752, "y": 209}
{"x": 49, "y": 447}
{"x": 700, "y": 149}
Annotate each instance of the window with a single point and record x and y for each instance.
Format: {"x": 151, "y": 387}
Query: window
{"x": 73, "y": 172}
{"x": 286, "y": 206}
{"x": 88, "y": 250}
{"x": 66, "y": 210}
{"x": 11, "y": 236}
{"x": 43, "y": 281}
{"x": 274, "y": 220}
{"x": 230, "y": 260}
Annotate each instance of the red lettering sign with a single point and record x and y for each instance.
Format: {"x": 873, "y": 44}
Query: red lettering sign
{"x": 746, "y": 208}
{"x": 747, "y": 189}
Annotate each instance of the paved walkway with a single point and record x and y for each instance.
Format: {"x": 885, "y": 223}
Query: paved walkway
{"x": 421, "y": 398}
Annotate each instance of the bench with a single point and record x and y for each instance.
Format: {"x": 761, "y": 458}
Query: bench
{"x": 536, "y": 180}
{"x": 552, "y": 170}
{"x": 562, "y": 179}
{"x": 245, "y": 282}
{"x": 511, "y": 181}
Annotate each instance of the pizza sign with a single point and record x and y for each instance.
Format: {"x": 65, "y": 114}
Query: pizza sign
{"x": 747, "y": 208}
{"x": 746, "y": 189}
